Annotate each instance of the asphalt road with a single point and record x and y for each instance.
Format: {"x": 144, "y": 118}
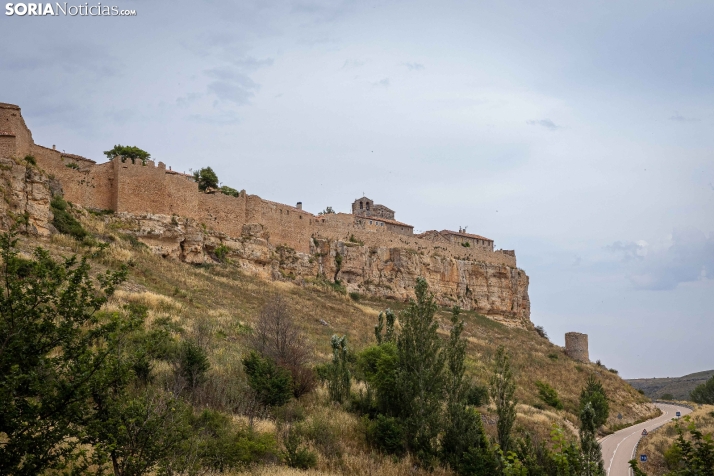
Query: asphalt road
{"x": 618, "y": 448}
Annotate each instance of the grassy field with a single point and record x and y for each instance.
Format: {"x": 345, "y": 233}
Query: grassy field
{"x": 218, "y": 304}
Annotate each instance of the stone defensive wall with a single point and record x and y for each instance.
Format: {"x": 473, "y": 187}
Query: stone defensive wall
{"x": 125, "y": 187}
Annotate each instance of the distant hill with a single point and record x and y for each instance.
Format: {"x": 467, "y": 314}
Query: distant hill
{"x": 678, "y": 387}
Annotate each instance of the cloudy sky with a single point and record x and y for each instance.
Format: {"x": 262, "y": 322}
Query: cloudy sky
{"x": 580, "y": 134}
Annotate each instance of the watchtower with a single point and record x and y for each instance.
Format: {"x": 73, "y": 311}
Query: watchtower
{"x": 576, "y": 346}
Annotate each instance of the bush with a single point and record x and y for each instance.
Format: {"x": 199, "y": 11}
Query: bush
{"x": 541, "y": 332}
{"x": 278, "y": 337}
{"x": 386, "y": 434}
{"x": 64, "y": 221}
{"x": 222, "y": 447}
{"x": 354, "y": 296}
{"x": 476, "y": 395}
{"x": 667, "y": 396}
{"x": 72, "y": 165}
{"x": 672, "y": 456}
{"x": 128, "y": 152}
{"x": 553, "y": 356}
{"x": 30, "y": 160}
{"x": 704, "y": 393}
{"x": 221, "y": 253}
{"x": 549, "y": 395}
{"x": 206, "y": 178}
{"x": 324, "y": 433}
{"x": 295, "y": 455}
{"x": 226, "y": 190}
{"x": 193, "y": 364}
{"x": 272, "y": 384}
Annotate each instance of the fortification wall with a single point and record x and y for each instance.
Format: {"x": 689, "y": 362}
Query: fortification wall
{"x": 137, "y": 188}
{"x": 91, "y": 185}
{"x": 18, "y": 141}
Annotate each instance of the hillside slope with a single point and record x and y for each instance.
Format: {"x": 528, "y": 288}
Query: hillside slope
{"x": 678, "y": 387}
{"x": 217, "y": 304}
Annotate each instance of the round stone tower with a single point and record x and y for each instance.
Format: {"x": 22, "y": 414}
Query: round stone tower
{"x": 576, "y": 346}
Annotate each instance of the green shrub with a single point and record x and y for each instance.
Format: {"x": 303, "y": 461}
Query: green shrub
{"x": 221, "y": 253}
{"x": 323, "y": 433}
{"x": 206, "y": 178}
{"x": 673, "y": 456}
{"x": 30, "y": 160}
{"x": 466, "y": 244}
{"x": 130, "y": 152}
{"x": 226, "y": 190}
{"x": 354, "y": 296}
{"x": 193, "y": 364}
{"x": 549, "y": 395}
{"x": 64, "y": 221}
{"x": 272, "y": 384}
{"x": 386, "y": 434}
{"x": 477, "y": 395}
{"x": 704, "y": 393}
{"x": 553, "y": 356}
{"x": 222, "y": 447}
{"x": 72, "y": 165}
{"x": 667, "y": 396}
{"x": 295, "y": 455}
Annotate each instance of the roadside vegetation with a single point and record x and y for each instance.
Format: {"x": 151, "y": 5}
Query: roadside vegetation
{"x": 682, "y": 447}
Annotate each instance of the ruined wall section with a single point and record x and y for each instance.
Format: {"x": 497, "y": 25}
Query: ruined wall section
{"x": 89, "y": 185}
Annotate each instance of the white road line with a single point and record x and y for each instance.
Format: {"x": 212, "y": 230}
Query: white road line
{"x": 633, "y": 449}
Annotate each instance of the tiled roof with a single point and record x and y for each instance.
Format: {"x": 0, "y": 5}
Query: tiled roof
{"x": 385, "y": 220}
{"x": 465, "y": 235}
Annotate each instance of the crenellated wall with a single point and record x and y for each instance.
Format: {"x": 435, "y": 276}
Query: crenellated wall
{"x": 375, "y": 258}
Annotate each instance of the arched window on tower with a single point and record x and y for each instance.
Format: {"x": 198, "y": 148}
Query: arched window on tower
{"x": 360, "y": 205}
{"x": 367, "y": 205}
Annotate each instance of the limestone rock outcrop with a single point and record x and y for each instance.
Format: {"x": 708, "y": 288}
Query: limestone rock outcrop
{"x": 495, "y": 290}
{"x": 25, "y": 197}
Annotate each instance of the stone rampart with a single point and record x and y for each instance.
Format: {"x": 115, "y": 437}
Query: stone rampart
{"x": 136, "y": 188}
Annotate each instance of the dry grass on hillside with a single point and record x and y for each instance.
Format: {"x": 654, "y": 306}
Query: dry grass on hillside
{"x": 218, "y": 304}
{"x": 657, "y": 442}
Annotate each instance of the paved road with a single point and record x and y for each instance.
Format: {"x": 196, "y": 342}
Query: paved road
{"x": 618, "y": 448}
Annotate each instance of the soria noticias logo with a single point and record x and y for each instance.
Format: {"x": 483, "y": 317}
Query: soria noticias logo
{"x": 64, "y": 9}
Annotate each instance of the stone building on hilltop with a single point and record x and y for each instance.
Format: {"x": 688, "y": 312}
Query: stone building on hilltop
{"x": 375, "y": 216}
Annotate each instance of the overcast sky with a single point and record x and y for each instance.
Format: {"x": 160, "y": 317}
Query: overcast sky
{"x": 580, "y": 134}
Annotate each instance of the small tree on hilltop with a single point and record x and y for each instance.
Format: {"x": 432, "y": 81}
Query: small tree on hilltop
{"x": 206, "y": 178}
{"x": 326, "y": 211}
{"x": 130, "y": 152}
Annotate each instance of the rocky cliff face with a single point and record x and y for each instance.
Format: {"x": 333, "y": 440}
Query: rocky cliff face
{"x": 25, "y": 197}
{"x": 497, "y": 291}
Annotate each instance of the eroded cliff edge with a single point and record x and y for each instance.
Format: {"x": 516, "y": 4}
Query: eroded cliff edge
{"x": 495, "y": 290}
